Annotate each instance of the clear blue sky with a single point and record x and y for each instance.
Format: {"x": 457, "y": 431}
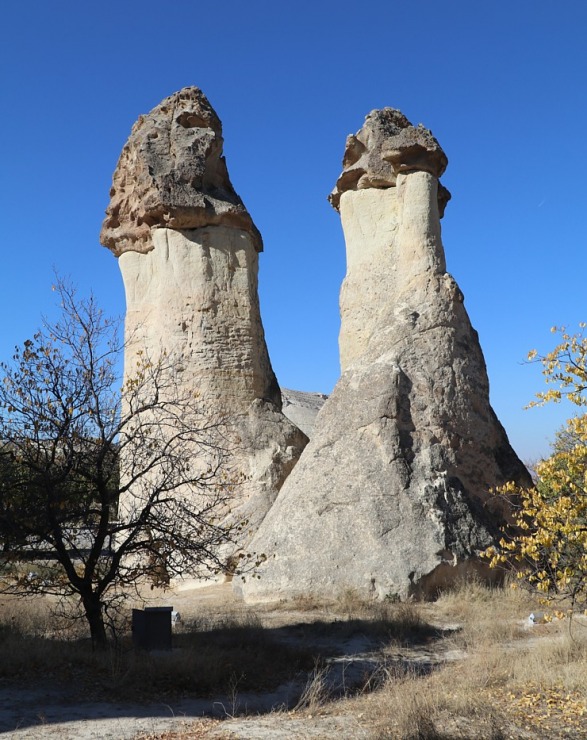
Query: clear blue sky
{"x": 502, "y": 85}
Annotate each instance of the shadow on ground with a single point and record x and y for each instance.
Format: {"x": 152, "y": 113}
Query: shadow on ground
{"x": 217, "y": 673}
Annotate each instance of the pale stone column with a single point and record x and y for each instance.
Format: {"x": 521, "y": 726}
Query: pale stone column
{"x": 188, "y": 252}
{"x": 195, "y": 296}
{"x": 392, "y": 495}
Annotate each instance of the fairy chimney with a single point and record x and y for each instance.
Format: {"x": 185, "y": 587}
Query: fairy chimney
{"x": 392, "y": 494}
{"x": 188, "y": 252}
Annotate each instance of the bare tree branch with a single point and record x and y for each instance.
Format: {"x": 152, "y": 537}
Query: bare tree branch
{"x": 115, "y": 481}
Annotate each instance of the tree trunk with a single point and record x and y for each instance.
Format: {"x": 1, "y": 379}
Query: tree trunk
{"x": 95, "y": 617}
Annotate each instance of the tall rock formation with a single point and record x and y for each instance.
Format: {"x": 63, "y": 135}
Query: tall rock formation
{"x": 188, "y": 253}
{"x": 391, "y": 496}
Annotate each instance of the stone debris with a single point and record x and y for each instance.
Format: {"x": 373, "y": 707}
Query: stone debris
{"x": 391, "y": 498}
{"x": 302, "y": 408}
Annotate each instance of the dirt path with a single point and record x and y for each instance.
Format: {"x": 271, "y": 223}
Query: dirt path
{"x": 44, "y": 718}
{"x": 45, "y": 712}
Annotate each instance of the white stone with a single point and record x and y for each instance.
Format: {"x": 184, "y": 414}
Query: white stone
{"x": 188, "y": 253}
{"x": 391, "y": 497}
{"x": 194, "y": 297}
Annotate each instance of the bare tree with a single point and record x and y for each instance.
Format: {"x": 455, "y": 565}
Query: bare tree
{"x": 117, "y": 482}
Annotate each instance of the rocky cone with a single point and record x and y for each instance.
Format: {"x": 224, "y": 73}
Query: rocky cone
{"x": 391, "y": 497}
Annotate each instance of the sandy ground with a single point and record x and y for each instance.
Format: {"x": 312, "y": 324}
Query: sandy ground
{"x": 45, "y": 712}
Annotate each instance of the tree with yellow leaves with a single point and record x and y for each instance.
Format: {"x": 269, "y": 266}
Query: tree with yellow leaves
{"x": 549, "y": 547}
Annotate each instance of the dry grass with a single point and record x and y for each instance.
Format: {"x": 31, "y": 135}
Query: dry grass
{"x": 213, "y": 654}
{"x": 507, "y": 686}
{"x": 350, "y": 613}
{"x": 510, "y": 681}
{"x": 32, "y": 639}
{"x": 414, "y": 707}
{"x": 210, "y": 656}
{"x": 316, "y": 691}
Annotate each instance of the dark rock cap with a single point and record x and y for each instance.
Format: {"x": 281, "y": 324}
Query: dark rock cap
{"x": 386, "y": 145}
{"x": 171, "y": 173}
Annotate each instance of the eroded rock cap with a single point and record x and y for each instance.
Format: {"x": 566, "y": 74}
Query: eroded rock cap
{"x": 386, "y": 145}
{"x": 171, "y": 173}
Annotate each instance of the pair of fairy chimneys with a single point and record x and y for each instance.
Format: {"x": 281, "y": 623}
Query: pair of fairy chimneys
{"x": 393, "y": 488}
{"x": 172, "y": 179}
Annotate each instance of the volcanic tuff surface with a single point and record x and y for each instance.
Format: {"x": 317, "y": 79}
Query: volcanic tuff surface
{"x": 171, "y": 173}
{"x": 188, "y": 253}
{"x": 391, "y": 496}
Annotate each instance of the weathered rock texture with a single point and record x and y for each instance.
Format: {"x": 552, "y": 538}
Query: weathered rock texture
{"x": 171, "y": 173}
{"x": 391, "y": 496}
{"x": 188, "y": 253}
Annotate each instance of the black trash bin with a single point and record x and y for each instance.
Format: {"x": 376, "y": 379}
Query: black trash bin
{"x": 151, "y": 628}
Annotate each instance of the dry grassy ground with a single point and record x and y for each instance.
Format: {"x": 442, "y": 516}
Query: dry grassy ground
{"x": 466, "y": 666}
